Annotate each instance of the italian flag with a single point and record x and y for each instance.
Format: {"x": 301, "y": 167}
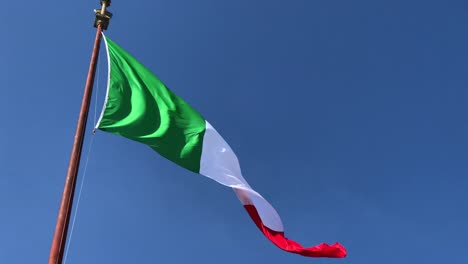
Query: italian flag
{"x": 140, "y": 107}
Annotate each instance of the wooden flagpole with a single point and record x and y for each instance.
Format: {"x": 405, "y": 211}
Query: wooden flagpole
{"x": 61, "y": 228}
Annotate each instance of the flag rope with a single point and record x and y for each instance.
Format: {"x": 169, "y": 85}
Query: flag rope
{"x": 88, "y": 154}
{"x": 79, "y": 198}
{"x": 95, "y": 100}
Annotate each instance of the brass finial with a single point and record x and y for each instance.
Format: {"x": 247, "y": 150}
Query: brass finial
{"x": 102, "y": 15}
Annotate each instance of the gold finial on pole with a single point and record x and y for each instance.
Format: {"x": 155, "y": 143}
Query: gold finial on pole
{"x": 102, "y": 15}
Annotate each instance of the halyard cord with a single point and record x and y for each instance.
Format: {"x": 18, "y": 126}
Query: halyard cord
{"x": 108, "y": 82}
{"x": 79, "y": 198}
{"x": 95, "y": 100}
{"x": 85, "y": 169}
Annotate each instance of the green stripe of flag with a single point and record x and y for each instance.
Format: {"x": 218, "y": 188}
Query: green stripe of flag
{"x": 140, "y": 107}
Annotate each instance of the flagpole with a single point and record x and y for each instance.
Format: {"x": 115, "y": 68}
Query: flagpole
{"x": 60, "y": 235}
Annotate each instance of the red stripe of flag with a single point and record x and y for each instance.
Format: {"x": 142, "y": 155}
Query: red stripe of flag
{"x": 320, "y": 251}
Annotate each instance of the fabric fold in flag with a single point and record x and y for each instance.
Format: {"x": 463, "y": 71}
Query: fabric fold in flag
{"x": 140, "y": 107}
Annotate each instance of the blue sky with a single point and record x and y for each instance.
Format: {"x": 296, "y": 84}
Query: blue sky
{"x": 350, "y": 117}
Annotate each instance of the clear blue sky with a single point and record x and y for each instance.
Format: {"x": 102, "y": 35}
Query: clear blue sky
{"x": 350, "y": 117}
